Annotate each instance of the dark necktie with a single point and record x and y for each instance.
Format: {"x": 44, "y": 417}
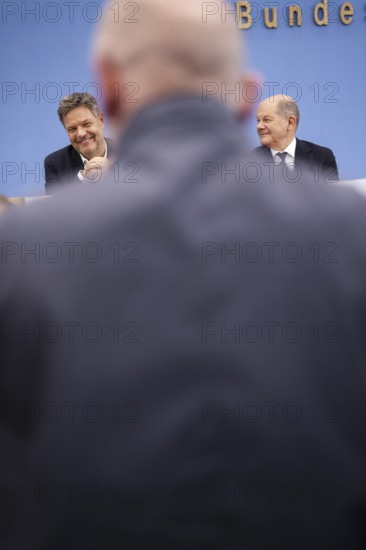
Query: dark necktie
{"x": 282, "y": 157}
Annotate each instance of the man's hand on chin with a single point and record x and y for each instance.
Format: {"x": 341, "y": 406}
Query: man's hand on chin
{"x": 95, "y": 168}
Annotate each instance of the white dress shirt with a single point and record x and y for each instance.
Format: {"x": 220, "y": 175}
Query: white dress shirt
{"x": 290, "y": 157}
{"x": 80, "y": 175}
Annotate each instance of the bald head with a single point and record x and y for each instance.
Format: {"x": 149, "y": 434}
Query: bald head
{"x": 277, "y": 120}
{"x": 167, "y": 47}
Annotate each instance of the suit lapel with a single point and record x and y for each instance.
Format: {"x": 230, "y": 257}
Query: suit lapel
{"x": 303, "y": 153}
{"x": 76, "y": 159}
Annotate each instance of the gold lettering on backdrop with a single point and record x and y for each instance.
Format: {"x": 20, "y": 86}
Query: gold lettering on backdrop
{"x": 292, "y": 11}
{"x": 322, "y": 18}
{"x": 346, "y": 13}
{"x": 270, "y": 24}
{"x": 243, "y": 15}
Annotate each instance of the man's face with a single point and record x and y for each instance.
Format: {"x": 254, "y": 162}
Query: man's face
{"x": 85, "y": 132}
{"x": 274, "y": 130}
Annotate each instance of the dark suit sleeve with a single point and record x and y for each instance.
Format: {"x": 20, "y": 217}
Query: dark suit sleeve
{"x": 330, "y": 167}
{"x": 320, "y": 159}
{"x": 52, "y": 175}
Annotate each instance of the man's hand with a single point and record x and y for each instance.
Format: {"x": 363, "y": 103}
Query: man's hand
{"x": 95, "y": 168}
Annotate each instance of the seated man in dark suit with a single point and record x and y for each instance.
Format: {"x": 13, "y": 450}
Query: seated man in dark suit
{"x": 89, "y": 151}
{"x": 278, "y": 119}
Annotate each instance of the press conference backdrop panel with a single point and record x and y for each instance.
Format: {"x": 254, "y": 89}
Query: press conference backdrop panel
{"x": 45, "y": 50}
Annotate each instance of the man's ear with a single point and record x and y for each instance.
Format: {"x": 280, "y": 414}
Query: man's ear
{"x": 250, "y": 94}
{"x": 292, "y": 123}
{"x": 110, "y": 81}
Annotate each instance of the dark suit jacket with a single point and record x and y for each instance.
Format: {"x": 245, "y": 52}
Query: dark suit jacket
{"x": 315, "y": 163}
{"x": 183, "y": 358}
{"x": 62, "y": 166}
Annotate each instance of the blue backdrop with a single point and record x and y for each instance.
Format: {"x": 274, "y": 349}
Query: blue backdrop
{"x": 45, "y": 55}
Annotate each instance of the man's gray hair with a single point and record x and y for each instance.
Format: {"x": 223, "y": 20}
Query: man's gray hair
{"x": 77, "y": 99}
{"x": 288, "y": 107}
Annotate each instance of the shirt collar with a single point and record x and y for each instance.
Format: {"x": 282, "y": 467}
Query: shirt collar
{"x": 104, "y": 156}
{"x": 290, "y": 149}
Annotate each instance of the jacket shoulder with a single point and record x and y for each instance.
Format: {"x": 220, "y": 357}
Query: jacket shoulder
{"x": 313, "y": 146}
{"x": 60, "y": 154}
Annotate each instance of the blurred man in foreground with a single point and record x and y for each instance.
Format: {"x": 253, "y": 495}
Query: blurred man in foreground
{"x": 182, "y": 359}
{"x": 277, "y": 122}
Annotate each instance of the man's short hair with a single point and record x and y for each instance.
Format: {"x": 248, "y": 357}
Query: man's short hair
{"x": 287, "y": 107}
{"x": 77, "y": 99}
